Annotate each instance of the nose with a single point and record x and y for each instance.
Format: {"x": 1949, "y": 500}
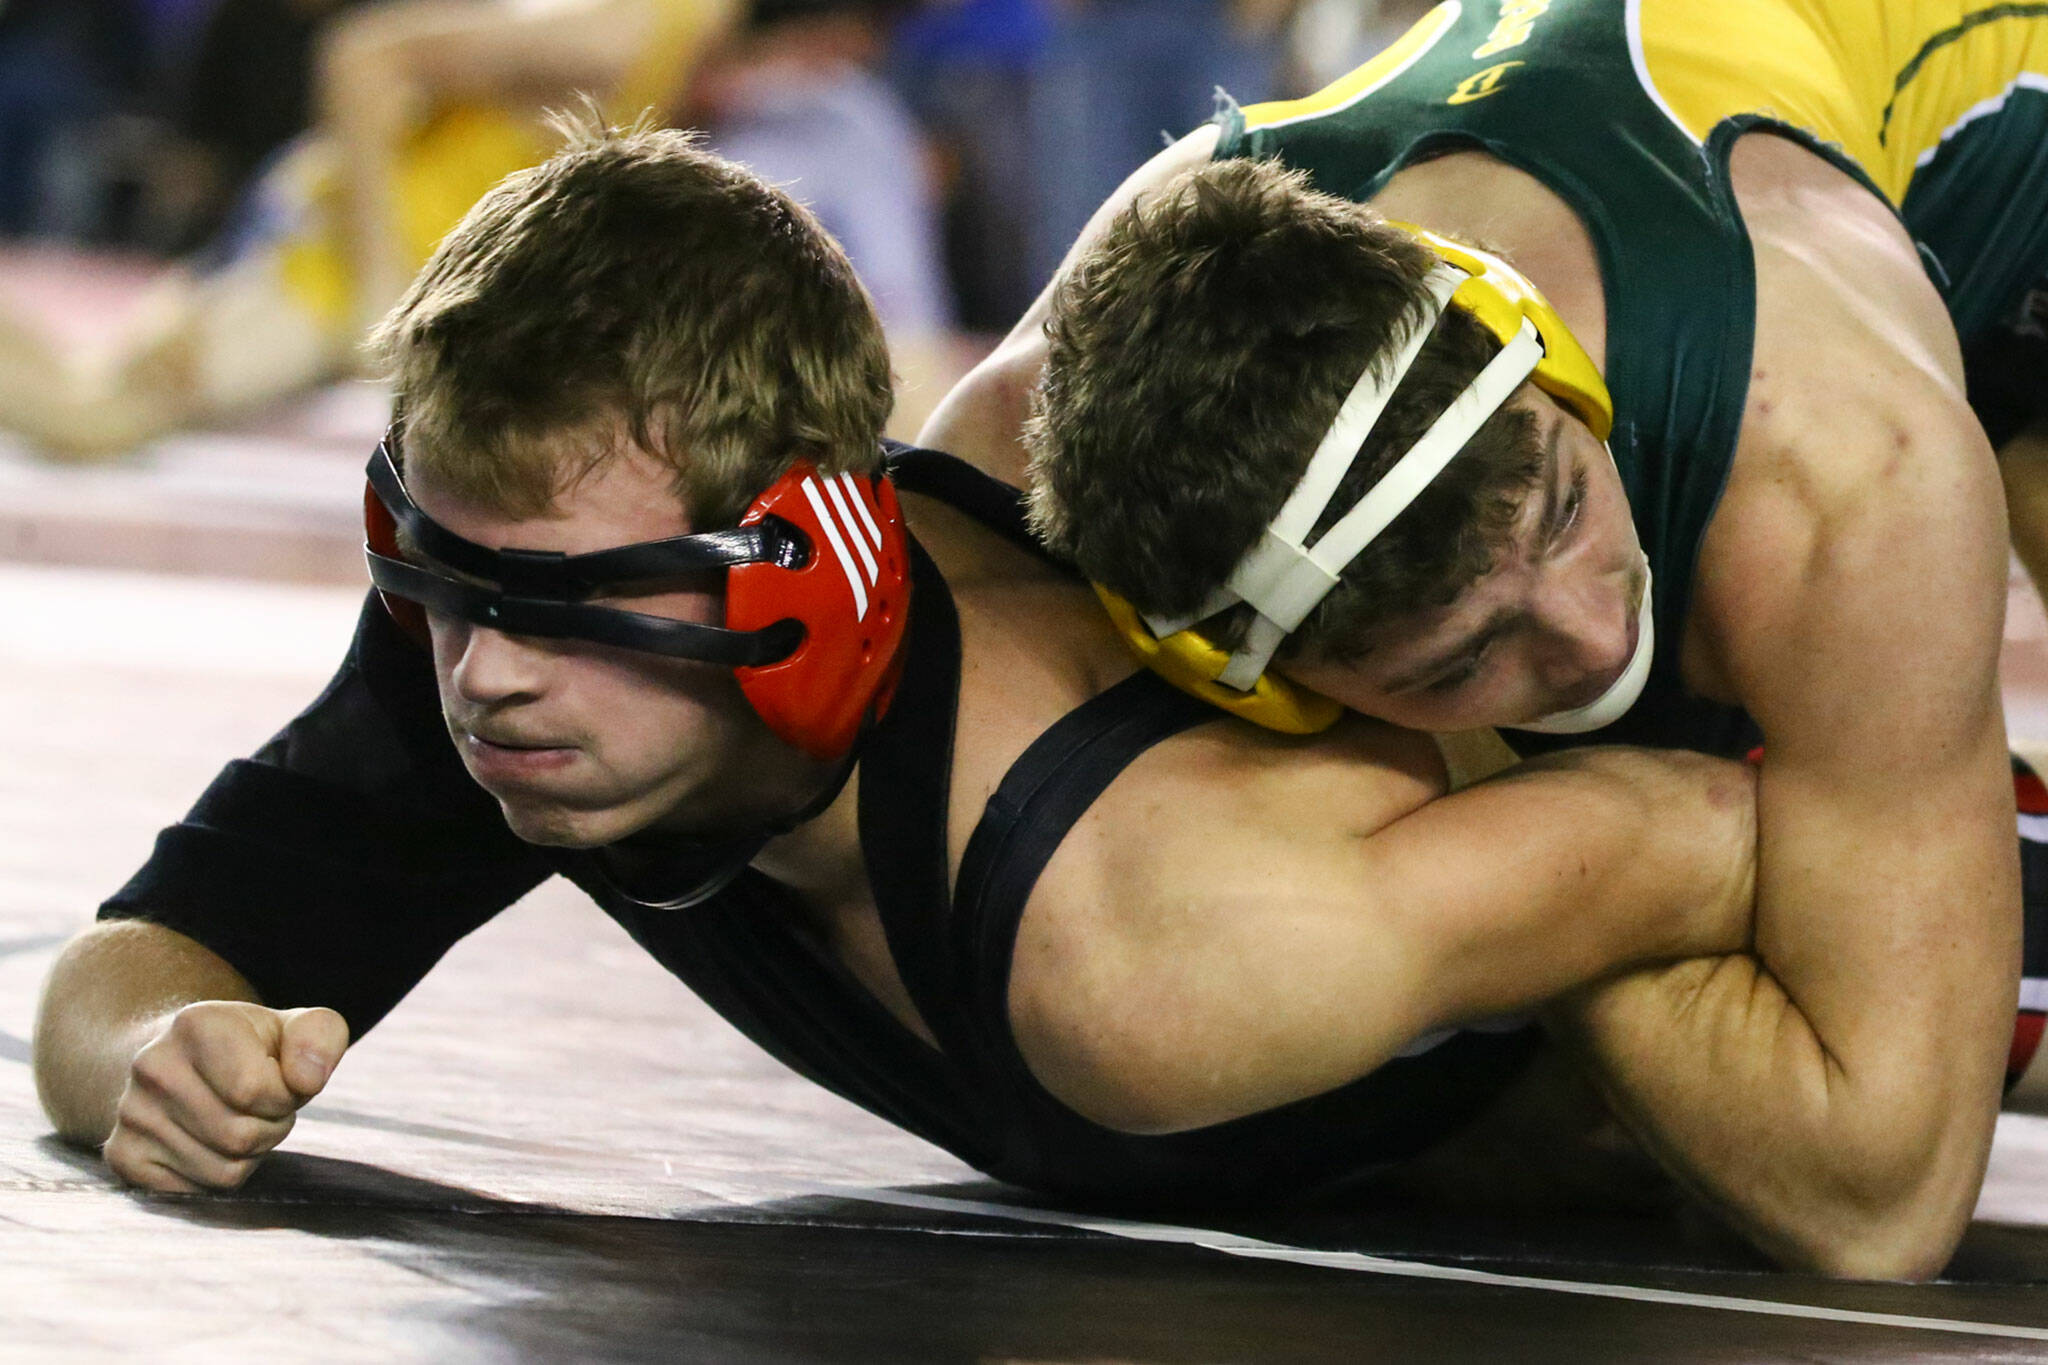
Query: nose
{"x": 1587, "y": 625}
{"x": 491, "y": 666}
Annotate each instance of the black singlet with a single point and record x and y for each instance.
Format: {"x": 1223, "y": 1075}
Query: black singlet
{"x": 342, "y": 860}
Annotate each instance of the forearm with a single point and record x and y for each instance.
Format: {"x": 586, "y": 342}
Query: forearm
{"x": 383, "y": 72}
{"x": 1710, "y": 1065}
{"x": 1578, "y": 865}
{"x": 369, "y": 100}
{"x": 1832, "y": 1094}
{"x": 111, "y": 991}
{"x": 483, "y": 49}
{"x": 1891, "y": 919}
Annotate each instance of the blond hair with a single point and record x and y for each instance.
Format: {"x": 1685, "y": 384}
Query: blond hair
{"x": 635, "y": 287}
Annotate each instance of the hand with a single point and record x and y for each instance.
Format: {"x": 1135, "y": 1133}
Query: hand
{"x": 220, "y": 1086}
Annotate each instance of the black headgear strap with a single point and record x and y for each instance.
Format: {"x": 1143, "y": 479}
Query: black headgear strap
{"x": 545, "y": 592}
{"x": 675, "y": 873}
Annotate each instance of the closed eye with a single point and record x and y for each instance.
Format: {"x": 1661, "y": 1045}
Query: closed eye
{"x": 1464, "y": 671}
{"x": 1574, "y": 503}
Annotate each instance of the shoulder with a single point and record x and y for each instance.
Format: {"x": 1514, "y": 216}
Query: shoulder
{"x": 1848, "y": 325}
{"x": 1856, "y": 402}
{"x": 1863, "y": 495}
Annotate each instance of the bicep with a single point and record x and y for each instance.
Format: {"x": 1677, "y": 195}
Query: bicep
{"x": 1856, "y": 589}
{"x": 1860, "y": 612}
{"x": 1273, "y": 949}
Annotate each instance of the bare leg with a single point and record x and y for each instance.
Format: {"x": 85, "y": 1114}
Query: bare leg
{"x": 44, "y": 391}
{"x": 197, "y": 349}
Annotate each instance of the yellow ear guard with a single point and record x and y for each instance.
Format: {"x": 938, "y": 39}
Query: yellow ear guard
{"x": 1188, "y": 661}
{"x": 1281, "y": 576}
{"x": 1500, "y": 297}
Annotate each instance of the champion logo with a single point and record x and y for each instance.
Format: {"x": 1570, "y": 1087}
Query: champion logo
{"x": 845, "y": 517}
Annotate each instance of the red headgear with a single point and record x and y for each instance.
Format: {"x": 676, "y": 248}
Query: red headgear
{"x": 817, "y": 594}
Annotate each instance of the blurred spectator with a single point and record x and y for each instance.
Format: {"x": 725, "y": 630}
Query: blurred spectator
{"x": 966, "y": 67}
{"x": 1119, "y": 78}
{"x": 1329, "y": 37}
{"x": 796, "y": 96}
{"x": 797, "y": 99}
{"x": 245, "y": 89}
{"x": 64, "y": 66}
{"x": 422, "y": 105}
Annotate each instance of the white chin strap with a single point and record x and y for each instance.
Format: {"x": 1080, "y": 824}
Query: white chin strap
{"x": 1621, "y": 694}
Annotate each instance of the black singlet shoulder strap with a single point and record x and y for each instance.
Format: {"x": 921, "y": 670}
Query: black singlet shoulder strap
{"x": 950, "y": 948}
{"x": 964, "y": 488}
{"x": 1045, "y": 791}
{"x": 906, "y": 778}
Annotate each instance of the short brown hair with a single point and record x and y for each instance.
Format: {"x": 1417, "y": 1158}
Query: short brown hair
{"x": 635, "y": 285}
{"x": 1199, "y": 351}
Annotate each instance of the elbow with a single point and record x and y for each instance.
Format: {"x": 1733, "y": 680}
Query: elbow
{"x": 1897, "y": 1220}
{"x": 55, "y": 1069}
{"x": 1899, "y": 1248}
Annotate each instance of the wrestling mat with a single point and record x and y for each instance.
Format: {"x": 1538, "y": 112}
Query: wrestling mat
{"x": 551, "y": 1151}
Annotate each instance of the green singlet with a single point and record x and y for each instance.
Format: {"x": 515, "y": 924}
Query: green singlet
{"x": 1628, "y": 110}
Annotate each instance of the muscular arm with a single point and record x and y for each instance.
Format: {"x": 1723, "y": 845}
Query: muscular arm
{"x": 1216, "y": 937}
{"x": 112, "y": 990}
{"x": 1834, "y": 1096}
{"x": 385, "y": 70}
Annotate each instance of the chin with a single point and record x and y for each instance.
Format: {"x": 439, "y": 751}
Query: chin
{"x": 558, "y": 827}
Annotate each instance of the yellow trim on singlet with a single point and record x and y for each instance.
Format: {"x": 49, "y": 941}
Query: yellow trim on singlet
{"x": 1404, "y": 52}
{"x": 1833, "y": 68}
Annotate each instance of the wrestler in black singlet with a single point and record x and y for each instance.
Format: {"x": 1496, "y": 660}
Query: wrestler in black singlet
{"x": 338, "y": 864}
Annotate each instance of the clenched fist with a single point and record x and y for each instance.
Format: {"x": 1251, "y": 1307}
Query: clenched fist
{"x": 220, "y": 1086}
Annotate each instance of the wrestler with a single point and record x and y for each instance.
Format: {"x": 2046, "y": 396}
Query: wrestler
{"x": 423, "y": 105}
{"x": 1761, "y": 251}
{"x": 880, "y": 782}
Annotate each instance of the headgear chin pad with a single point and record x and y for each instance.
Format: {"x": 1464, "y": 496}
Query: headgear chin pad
{"x": 851, "y": 596}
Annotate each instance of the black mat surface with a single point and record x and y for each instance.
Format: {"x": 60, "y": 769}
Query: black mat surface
{"x": 552, "y": 1152}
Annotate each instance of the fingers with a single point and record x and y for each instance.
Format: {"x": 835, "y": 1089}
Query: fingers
{"x": 192, "y": 1105}
{"x": 209, "y": 1096}
{"x": 150, "y": 1149}
{"x": 233, "y": 1049}
{"x": 134, "y": 1164}
{"x": 311, "y": 1047}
